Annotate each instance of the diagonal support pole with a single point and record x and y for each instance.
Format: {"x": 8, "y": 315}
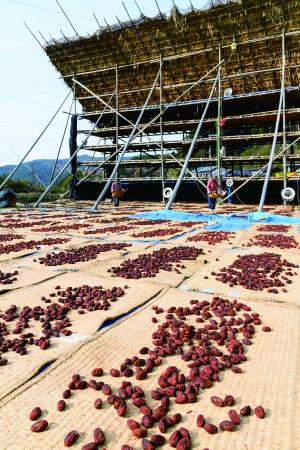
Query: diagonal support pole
{"x": 192, "y": 146}
{"x": 35, "y": 142}
{"x": 68, "y": 162}
{"x": 260, "y": 170}
{"x": 142, "y": 130}
{"x": 132, "y": 136}
{"x": 273, "y": 148}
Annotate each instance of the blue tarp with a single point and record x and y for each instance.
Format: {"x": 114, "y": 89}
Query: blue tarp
{"x": 228, "y": 222}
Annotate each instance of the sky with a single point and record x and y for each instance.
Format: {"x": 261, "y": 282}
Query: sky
{"x": 30, "y": 88}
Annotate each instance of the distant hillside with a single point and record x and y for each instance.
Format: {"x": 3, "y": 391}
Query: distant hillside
{"x": 41, "y": 167}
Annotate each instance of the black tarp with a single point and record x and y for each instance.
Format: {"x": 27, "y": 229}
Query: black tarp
{"x": 7, "y": 198}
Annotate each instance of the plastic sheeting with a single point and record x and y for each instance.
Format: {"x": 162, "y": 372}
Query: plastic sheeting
{"x": 230, "y": 222}
{"x": 7, "y": 198}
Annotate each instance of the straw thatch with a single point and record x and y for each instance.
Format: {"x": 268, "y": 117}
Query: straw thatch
{"x": 244, "y": 21}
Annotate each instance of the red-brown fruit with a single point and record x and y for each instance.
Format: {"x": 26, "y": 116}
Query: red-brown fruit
{"x": 217, "y": 401}
{"x": 174, "y": 438}
{"x": 90, "y": 446}
{"x": 132, "y": 424}
{"x": 210, "y": 428}
{"x": 139, "y": 432}
{"x": 229, "y": 400}
{"x": 35, "y": 413}
{"x": 147, "y": 445}
{"x": 97, "y": 372}
{"x": 200, "y": 421}
{"x": 184, "y": 444}
{"x": 98, "y": 403}
{"x": 234, "y": 417}
{"x": 158, "y": 440}
{"x": 99, "y": 436}
{"x": 245, "y": 411}
{"x": 260, "y": 412}
{"x": 71, "y": 438}
{"x": 227, "y": 425}
{"x": 39, "y": 426}
{"x": 61, "y": 404}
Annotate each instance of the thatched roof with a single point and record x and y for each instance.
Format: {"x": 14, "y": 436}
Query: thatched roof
{"x": 255, "y": 25}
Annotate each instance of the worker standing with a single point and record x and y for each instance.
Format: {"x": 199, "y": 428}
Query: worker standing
{"x": 213, "y": 189}
{"x": 117, "y": 191}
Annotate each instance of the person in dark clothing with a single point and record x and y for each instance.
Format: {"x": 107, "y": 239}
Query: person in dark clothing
{"x": 117, "y": 191}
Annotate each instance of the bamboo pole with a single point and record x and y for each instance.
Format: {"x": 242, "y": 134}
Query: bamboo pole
{"x": 33, "y": 35}
{"x": 93, "y": 171}
{"x": 208, "y": 81}
{"x": 161, "y": 129}
{"x": 132, "y": 136}
{"x": 284, "y": 112}
{"x": 35, "y": 142}
{"x": 98, "y": 167}
{"x": 260, "y": 170}
{"x": 30, "y": 170}
{"x": 272, "y": 153}
{"x": 60, "y": 145}
{"x": 186, "y": 55}
{"x": 117, "y": 110}
{"x": 67, "y": 163}
{"x": 143, "y": 129}
{"x": 66, "y": 16}
{"x": 192, "y": 146}
{"x": 218, "y": 125}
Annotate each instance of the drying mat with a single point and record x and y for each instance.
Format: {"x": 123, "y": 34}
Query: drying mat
{"x": 96, "y": 266}
{"x": 8, "y": 257}
{"x": 160, "y": 226}
{"x": 253, "y": 231}
{"x": 125, "y": 235}
{"x": 27, "y": 275}
{"x": 73, "y": 242}
{"x": 163, "y": 277}
{"x": 270, "y": 378}
{"x": 21, "y": 368}
{"x": 62, "y": 232}
{"x": 243, "y": 248}
{"x": 210, "y": 285}
{"x": 233, "y": 240}
{"x": 42, "y": 248}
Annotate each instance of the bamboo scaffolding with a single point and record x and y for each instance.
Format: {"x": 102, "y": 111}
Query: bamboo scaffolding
{"x": 176, "y": 37}
{"x": 192, "y": 146}
{"x": 175, "y": 43}
{"x": 273, "y": 148}
{"x": 63, "y": 169}
{"x": 124, "y": 149}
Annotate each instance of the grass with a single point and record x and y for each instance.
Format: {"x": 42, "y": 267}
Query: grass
{"x": 31, "y": 197}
